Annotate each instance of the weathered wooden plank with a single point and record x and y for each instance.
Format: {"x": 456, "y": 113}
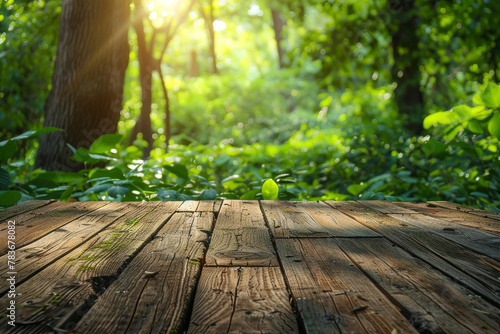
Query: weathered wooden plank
{"x": 242, "y": 300}
{"x": 480, "y": 241}
{"x": 386, "y": 207}
{"x": 37, "y": 226}
{"x": 188, "y": 206}
{"x": 22, "y": 208}
{"x": 35, "y": 256}
{"x": 434, "y": 303}
{"x": 217, "y": 205}
{"x": 325, "y": 285}
{"x": 59, "y": 295}
{"x": 240, "y": 237}
{"x": 335, "y": 222}
{"x": 311, "y": 219}
{"x": 476, "y": 271}
{"x": 454, "y": 206}
{"x": 206, "y": 206}
{"x": 43, "y": 211}
{"x": 287, "y": 220}
{"x": 155, "y": 303}
{"x": 456, "y": 216}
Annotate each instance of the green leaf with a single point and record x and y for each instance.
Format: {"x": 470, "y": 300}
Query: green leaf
{"x": 356, "y": 189}
{"x": 475, "y": 126}
{"x": 250, "y": 195}
{"x": 491, "y": 95}
{"x": 113, "y": 173}
{"x": 117, "y": 190}
{"x": 61, "y": 177}
{"x": 105, "y": 143}
{"x": 209, "y": 194}
{"x": 35, "y": 133}
{"x": 66, "y": 195}
{"x": 462, "y": 111}
{"x": 178, "y": 169}
{"x": 441, "y": 117}
{"x": 270, "y": 190}
{"x": 167, "y": 195}
{"x": 480, "y": 113}
{"x": 4, "y": 179}
{"x": 83, "y": 155}
{"x": 433, "y": 148}
{"x": 9, "y": 198}
{"x": 7, "y": 150}
{"x": 494, "y": 125}
{"x": 98, "y": 189}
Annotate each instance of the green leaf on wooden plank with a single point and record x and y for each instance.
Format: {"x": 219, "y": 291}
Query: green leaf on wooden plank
{"x": 270, "y": 190}
{"x": 105, "y": 143}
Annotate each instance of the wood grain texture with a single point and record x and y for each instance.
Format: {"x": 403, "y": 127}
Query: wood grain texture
{"x": 42, "y": 210}
{"x": 335, "y": 222}
{"x": 385, "y": 207}
{"x": 59, "y": 295}
{"x": 39, "y": 225}
{"x": 433, "y": 302}
{"x": 22, "y": 208}
{"x": 311, "y": 220}
{"x": 454, "y": 206}
{"x": 457, "y": 216}
{"x": 188, "y": 206}
{"x": 240, "y": 237}
{"x": 480, "y": 241}
{"x": 37, "y": 255}
{"x": 478, "y": 272}
{"x": 242, "y": 300}
{"x": 325, "y": 285}
{"x": 155, "y": 303}
{"x": 287, "y": 220}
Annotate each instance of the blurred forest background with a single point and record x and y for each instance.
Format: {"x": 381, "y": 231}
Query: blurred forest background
{"x": 332, "y": 100}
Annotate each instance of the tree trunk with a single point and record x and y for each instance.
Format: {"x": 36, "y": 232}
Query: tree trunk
{"x": 278, "y": 24}
{"x": 405, "y": 70}
{"x": 87, "y": 84}
{"x": 193, "y": 65}
{"x": 209, "y": 22}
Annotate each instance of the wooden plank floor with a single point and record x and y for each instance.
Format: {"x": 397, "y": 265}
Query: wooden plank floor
{"x": 249, "y": 267}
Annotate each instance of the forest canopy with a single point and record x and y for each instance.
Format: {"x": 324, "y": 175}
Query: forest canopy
{"x": 131, "y": 100}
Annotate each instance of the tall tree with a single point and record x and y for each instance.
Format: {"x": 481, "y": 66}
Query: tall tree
{"x": 87, "y": 83}
{"x": 149, "y": 63}
{"x": 208, "y": 17}
{"x": 406, "y": 70}
{"x": 278, "y": 23}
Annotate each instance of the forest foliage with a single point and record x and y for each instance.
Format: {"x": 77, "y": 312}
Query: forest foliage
{"x": 321, "y": 121}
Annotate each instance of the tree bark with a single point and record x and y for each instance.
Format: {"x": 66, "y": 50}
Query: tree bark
{"x": 146, "y": 68}
{"x": 209, "y": 23}
{"x": 87, "y": 84}
{"x": 278, "y": 24}
{"x": 405, "y": 70}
